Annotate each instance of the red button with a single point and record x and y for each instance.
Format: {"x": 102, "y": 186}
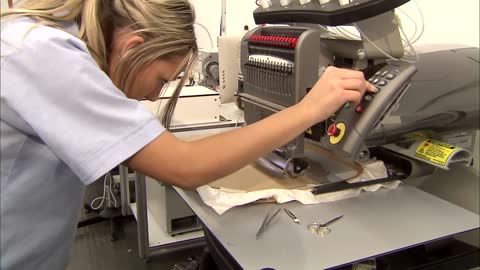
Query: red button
{"x": 360, "y": 109}
{"x": 333, "y": 130}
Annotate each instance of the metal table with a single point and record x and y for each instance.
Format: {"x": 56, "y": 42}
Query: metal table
{"x": 374, "y": 224}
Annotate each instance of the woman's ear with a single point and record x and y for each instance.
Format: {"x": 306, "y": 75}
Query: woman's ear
{"x": 131, "y": 42}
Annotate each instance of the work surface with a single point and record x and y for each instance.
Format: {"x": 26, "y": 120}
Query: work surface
{"x": 373, "y": 224}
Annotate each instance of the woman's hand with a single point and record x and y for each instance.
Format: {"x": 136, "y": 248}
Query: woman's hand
{"x": 335, "y": 88}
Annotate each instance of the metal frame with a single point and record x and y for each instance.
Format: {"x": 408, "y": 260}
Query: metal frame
{"x": 144, "y": 250}
{"x": 124, "y": 190}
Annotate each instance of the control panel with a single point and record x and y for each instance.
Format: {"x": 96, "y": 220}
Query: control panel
{"x": 346, "y": 131}
{"x": 325, "y": 12}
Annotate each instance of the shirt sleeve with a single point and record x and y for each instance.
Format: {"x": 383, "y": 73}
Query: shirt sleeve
{"x": 55, "y": 86}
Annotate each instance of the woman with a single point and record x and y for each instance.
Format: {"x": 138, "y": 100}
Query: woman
{"x": 72, "y": 74}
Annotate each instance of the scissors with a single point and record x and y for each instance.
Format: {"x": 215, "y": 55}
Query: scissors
{"x": 322, "y": 228}
{"x": 266, "y": 222}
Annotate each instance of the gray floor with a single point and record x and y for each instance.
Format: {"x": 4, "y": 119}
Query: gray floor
{"x": 93, "y": 248}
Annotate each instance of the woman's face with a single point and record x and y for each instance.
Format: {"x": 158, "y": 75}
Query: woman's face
{"x": 149, "y": 82}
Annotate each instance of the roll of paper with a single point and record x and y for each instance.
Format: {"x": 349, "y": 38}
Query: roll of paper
{"x": 439, "y": 154}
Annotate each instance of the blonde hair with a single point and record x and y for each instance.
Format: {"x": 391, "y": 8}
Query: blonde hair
{"x": 167, "y": 27}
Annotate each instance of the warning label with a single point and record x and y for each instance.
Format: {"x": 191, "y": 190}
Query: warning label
{"x": 435, "y": 152}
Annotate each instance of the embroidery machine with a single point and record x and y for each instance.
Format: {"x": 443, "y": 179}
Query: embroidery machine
{"x": 434, "y": 95}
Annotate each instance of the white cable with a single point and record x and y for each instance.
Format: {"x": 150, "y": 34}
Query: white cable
{"x": 238, "y": 121}
{"x": 417, "y": 57}
{"x": 345, "y": 34}
{"x": 240, "y": 115}
{"x": 324, "y": 28}
{"x": 423, "y": 22}
{"x": 416, "y": 38}
{"x": 348, "y": 33}
{"x": 104, "y": 196}
{"x": 329, "y": 32}
{"x": 413, "y": 22}
{"x": 405, "y": 39}
{"x": 378, "y": 48}
{"x": 336, "y": 33}
{"x": 339, "y": 33}
{"x": 208, "y": 33}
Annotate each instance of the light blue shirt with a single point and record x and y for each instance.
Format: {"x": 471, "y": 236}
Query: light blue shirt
{"x": 63, "y": 125}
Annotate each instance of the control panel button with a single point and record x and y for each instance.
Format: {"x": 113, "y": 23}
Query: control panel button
{"x": 390, "y": 76}
{"x": 371, "y": 79}
{"x": 360, "y": 109}
{"x": 378, "y": 73}
{"x": 337, "y": 131}
{"x": 382, "y": 83}
{"x": 333, "y": 130}
{"x": 384, "y": 73}
{"x": 368, "y": 98}
{"x": 376, "y": 80}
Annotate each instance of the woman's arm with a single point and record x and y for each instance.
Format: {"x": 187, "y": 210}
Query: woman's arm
{"x": 192, "y": 164}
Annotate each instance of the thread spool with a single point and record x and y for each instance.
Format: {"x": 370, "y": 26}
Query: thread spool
{"x": 344, "y": 2}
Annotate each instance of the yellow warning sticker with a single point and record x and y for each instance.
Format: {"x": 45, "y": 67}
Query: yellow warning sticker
{"x": 435, "y": 151}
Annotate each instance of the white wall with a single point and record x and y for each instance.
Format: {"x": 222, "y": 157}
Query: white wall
{"x": 448, "y": 21}
{"x": 4, "y": 4}
{"x": 240, "y": 13}
{"x": 208, "y": 12}
{"x": 445, "y": 21}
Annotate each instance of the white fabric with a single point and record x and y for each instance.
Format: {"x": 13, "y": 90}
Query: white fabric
{"x": 222, "y": 200}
